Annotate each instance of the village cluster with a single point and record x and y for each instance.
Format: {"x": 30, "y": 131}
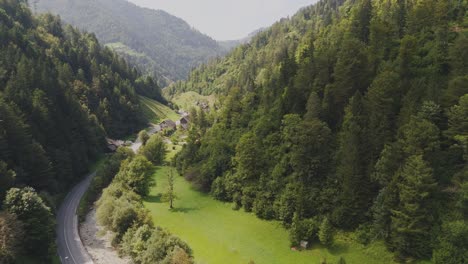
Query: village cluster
{"x": 165, "y": 126}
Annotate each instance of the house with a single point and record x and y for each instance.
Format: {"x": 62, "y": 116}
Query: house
{"x": 184, "y": 122}
{"x": 168, "y": 124}
{"x": 113, "y": 145}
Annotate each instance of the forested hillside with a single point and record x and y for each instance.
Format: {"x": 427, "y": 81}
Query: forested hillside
{"x": 61, "y": 93}
{"x": 160, "y": 44}
{"x": 351, "y": 115}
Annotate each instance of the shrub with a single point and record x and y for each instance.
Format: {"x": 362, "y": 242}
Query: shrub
{"x": 453, "y": 244}
{"x": 143, "y": 137}
{"x": 154, "y": 150}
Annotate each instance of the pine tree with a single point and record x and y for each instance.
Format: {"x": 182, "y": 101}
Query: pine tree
{"x": 314, "y": 106}
{"x": 382, "y": 104}
{"x": 351, "y": 169}
{"x": 325, "y": 233}
{"x": 412, "y": 219}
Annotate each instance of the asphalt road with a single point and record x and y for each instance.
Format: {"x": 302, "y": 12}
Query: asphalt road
{"x": 70, "y": 247}
{"x": 69, "y": 244}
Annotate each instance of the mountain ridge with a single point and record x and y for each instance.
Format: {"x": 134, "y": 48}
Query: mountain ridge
{"x": 170, "y": 45}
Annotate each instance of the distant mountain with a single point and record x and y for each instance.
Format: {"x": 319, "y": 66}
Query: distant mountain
{"x": 160, "y": 44}
{"x": 231, "y": 44}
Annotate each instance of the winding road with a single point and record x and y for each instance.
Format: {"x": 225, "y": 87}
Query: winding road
{"x": 70, "y": 247}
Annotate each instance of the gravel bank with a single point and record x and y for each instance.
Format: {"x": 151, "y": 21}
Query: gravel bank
{"x": 98, "y": 245}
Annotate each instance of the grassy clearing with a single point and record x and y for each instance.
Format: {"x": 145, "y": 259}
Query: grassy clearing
{"x": 122, "y": 48}
{"x": 217, "y": 234}
{"x": 156, "y": 112}
{"x": 172, "y": 151}
{"x": 188, "y": 99}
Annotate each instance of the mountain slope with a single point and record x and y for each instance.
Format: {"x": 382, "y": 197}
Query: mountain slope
{"x": 156, "y": 41}
{"x": 61, "y": 93}
{"x": 350, "y": 115}
{"x": 231, "y": 44}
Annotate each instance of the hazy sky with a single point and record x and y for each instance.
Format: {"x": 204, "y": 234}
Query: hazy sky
{"x": 227, "y": 19}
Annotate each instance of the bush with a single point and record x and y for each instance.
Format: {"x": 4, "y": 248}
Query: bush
{"x": 103, "y": 178}
{"x": 143, "y": 137}
{"x": 364, "y": 234}
{"x": 303, "y": 229}
{"x": 154, "y": 150}
{"x": 134, "y": 242}
{"x": 248, "y": 198}
{"x": 453, "y": 244}
{"x": 136, "y": 174}
{"x": 263, "y": 208}
{"x": 161, "y": 247}
{"x": 218, "y": 190}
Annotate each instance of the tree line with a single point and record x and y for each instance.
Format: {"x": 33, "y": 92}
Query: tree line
{"x": 351, "y": 114}
{"x": 120, "y": 208}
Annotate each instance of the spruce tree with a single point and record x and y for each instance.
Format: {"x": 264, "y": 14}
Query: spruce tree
{"x": 354, "y": 198}
{"x": 325, "y": 233}
{"x": 413, "y": 217}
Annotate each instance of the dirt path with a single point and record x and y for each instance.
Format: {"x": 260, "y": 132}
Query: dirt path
{"x": 97, "y": 244}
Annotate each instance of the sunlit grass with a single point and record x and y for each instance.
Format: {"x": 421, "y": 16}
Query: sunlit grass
{"x": 218, "y": 234}
{"x": 156, "y": 112}
{"x": 188, "y": 100}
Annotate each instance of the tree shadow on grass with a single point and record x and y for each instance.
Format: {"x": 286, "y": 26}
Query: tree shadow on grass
{"x": 154, "y": 198}
{"x": 338, "y": 248}
{"x": 183, "y": 209}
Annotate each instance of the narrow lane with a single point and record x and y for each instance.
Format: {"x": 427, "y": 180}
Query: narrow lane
{"x": 70, "y": 246}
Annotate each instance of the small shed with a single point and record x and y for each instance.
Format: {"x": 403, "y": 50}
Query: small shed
{"x": 304, "y": 244}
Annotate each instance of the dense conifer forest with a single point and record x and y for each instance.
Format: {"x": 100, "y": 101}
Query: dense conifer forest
{"x": 351, "y": 115}
{"x": 61, "y": 94}
{"x": 160, "y": 44}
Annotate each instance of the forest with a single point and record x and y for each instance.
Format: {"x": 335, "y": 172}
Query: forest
{"x": 161, "y": 45}
{"x": 61, "y": 95}
{"x": 351, "y": 115}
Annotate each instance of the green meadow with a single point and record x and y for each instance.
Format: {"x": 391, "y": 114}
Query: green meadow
{"x": 156, "y": 112}
{"x": 187, "y": 100}
{"x": 219, "y": 235}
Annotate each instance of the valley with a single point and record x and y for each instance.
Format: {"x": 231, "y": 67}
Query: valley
{"x": 338, "y": 135}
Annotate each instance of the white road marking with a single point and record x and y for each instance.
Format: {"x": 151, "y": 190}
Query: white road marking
{"x": 64, "y": 228}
